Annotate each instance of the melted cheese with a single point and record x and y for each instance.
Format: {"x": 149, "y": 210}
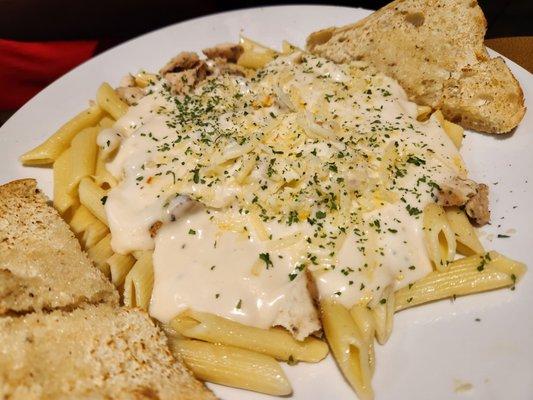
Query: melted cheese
{"x": 306, "y": 165}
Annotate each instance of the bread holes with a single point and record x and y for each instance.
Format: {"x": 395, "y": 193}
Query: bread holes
{"x": 417, "y": 19}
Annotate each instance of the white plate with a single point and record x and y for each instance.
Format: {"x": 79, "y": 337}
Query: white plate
{"x": 433, "y": 348}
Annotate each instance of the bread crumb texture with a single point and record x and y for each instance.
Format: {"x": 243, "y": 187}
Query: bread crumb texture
{"x": 93, "y": 352}
{"x": 42, "y": 266}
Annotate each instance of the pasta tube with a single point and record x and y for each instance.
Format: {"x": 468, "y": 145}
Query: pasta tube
{"x": 106, "y": 122}
{"x": 289, "y": 48}
{"x": 93, "y": 197}
{"x": 83, "y": 157}
{"x": 348, "y": 346}
{"x": 139, "y": 282}
{"x": 423, "y": 112}
{"x": 94, "y": 233}
{"x": 232, "y": 366}
{"x": 383, "y": 314}
{"x": 439, "y": 236}
{"x": 50, "y": 150}
{"x": 102, "y": 177}
{"x": 119, "y": 266}
{"x": 255, "y": 55}
{"x": 63, "y": 200}
{"x": 454, "y": 131}
{"x": 467, "y": 241}
{"x": 81, "y": 219}
{"x": 467, "y": 275}
{"x": 275, "y": 342}
{"x": 109, "y": 101}
{"x": 87, "y": 227}
{"x": 100, "y": 252}
{"x": 365, "y": 321}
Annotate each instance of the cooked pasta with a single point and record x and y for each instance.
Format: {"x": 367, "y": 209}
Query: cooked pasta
{"x": 55, "y": 145}
{"x": 232, "y": 366}
{"x": 274, "y": 342}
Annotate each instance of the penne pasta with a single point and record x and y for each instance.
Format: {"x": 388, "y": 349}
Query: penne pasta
{"x": 93, "y": 197}
{"x": 364, "y": 319}
{"x": 87, "y": 227}
{"x": 109, "y": 101}
{"x": 289, "y": 48}
{"x": 102, "y": 177}
{"x": 467, "y": 275}
{"x": 255, "y": 55}
{"x": 139, "y": 282}
{"x": 94, "y": 233}
{"x": 383, "y": 314}
{"x": 63, "y": 200}
{"x": 143, "y": 79}
{"x": 439, "y": 237}
{"x": 275, "y": 342}
{"x": 423, "y": 112}
{"x": 467, "y": 241}
{"x": 348, "y": 347}
{"x": 106, "y": 122}
{"x": 119, "y": 266}
{"x": 81, "y": 219}
{"x": 51, "y": 149}
{"x": 454, "y": 131}
{"x": 83, "y": 157}
{"x": 100, "y": 252}
{"x": 232, "y": 366}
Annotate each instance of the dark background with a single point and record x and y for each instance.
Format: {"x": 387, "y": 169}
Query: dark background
{"x": 114, "y": 21}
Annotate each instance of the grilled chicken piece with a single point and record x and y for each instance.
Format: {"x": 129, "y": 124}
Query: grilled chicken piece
{"x": 219, "y": 66}
{"x": 184, "y": 72}
{"x": 183, "y": 61}
{"x": 465, "y": 192}
{"x": 477, "y": 207}
{"x": 229, "y": 52}
{"x": 298, "y": 313}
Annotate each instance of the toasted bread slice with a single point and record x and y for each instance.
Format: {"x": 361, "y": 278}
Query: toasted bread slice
{"x": 42, "y": 266}
{"x": 429, "y": 46}
{"x": 94, "y": 352}
{"x": 484, "y": 96}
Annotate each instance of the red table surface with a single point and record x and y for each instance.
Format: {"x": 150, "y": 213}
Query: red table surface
{"x": 28, "y": 67}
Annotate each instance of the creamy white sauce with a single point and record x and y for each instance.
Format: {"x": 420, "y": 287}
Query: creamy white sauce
{"x": 298, "y": 154}
{"x": 216, "y": 272}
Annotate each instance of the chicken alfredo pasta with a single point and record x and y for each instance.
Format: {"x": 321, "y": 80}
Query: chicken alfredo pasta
{"x": 236, "y": 193}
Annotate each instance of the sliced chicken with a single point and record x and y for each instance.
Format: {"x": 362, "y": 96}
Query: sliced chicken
{"x": 183, "y": 61}
{"x": 465, "y": 192}
{"x": 297, "y": 313}
{"x": 229, "y": 52}
{"x": 477, "y": 207}
{"x": 184, "y": 72}
{"x": 222, "y": 67}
